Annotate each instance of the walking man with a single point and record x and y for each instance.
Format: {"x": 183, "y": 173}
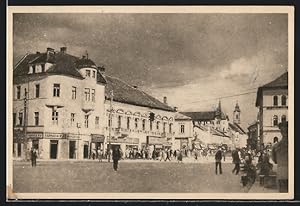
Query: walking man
{"x": 236, "y": 161}
{"x": 116, "y": 155}
{"x": 33, "y": 157}
{"x": 218, "y": 158}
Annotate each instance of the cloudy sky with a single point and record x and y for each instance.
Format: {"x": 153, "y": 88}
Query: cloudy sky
{"x": 193, "y": 59}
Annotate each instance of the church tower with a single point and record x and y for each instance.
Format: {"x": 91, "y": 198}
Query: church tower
{"x": 237, "y": 114}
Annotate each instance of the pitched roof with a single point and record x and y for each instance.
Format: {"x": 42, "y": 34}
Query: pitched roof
{"x": 237, "y": 128}
{"x": 126, "y": 93}
{"x": 198, "y": 116}
{"x": 63, "y": 63}
{"x": 180, "y": 116}
{"x": 280, "y": 82}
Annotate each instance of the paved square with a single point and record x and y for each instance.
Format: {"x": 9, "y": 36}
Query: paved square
{"x": 132, "y": 177}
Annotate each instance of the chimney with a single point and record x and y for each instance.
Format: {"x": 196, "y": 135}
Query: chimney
{"x": 101, "y": 69}
{"x": 50, "y": 51}
{"x": 165, "y": 100}
{"x": 63, "y": 50}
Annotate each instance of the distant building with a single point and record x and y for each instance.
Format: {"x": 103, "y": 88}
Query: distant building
{"x": 61, "y": 105}
{"x": 183, "y": 131}
{"x": 252, "y": 141}
{"x": 237, "y": 114}
{"x": 214, "y": 127}
{"x": 272, "y": 102}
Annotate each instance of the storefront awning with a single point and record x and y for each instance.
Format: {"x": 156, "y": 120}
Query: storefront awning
{"x": 98, "y": 138}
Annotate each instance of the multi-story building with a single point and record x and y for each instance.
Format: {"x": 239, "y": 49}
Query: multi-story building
{"x": 130, "y": 124}
{"x": 272, "y": 102}
{"x": 64, "y": 104}
{"x": 61, "y": 107}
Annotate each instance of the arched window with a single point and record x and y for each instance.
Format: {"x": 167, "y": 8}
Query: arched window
{"x": 283, "y": 100}
{"x": 275, "y": 140}
{"x": 119, "y": 121}
{"x": 275, "y": 101}
{"x": 275, "y": 120}
{"x": 283, "y": 118}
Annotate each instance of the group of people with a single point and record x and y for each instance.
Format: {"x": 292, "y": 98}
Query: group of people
{"x": 278, "y": 153}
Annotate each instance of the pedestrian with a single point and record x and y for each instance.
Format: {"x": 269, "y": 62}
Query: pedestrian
{"x": 179, "y": 156}
{"x": 116, "y": 155}
{"x": 236, "y": 161}
{"x": 167, "y": 155}
{"x": 218, "y": 158}
{"x": 280, "y": 157}
{"x": 33, "y": 157}
{"x": 100, "y": 155}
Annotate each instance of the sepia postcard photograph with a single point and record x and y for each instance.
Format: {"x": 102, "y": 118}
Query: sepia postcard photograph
{"x": 150, "y": 102}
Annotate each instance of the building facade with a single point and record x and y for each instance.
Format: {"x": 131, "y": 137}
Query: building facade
{"x": 272, "y": 102}
{"x": 184, "y": 133}
{"x": 129, "y": 125}
{"x": 61, "y": 107}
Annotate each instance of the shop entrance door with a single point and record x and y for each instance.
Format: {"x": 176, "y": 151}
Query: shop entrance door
{"x": 53, "y": 149}
{"x": 72, "y": 147}
{"x": 35, "y": 144}
{"x": 86, "y": 151}
{"x": 19, "y": 149}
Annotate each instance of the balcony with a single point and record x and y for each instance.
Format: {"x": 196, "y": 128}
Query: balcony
{"x": 88, "y": 106}
{"x": 56, "y": 102}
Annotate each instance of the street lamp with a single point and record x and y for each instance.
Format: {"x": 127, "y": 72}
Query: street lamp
{"x": 110, "y": 122}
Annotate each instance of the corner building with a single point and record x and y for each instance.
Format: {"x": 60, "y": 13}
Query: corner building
{"x": 60, "y": 105}
{"x": 272, "y": 102}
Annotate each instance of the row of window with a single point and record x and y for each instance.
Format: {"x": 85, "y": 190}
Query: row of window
{"x": 136, "y": 124}
{"x": 54, "y": 118}
{"x": 36, "y": 69}
{"x": 283, "y": 100}
{"x": 88, "y": 92}
{"x": 275, "y": 120}
{"x": 88, "y": 73}
{"x": 21, "y": 117}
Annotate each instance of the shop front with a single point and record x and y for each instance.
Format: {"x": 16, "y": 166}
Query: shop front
{"x": 124, "y": 143}
{"x": 19, "y": 142}
{"x": 158, "y": 143}
{"x": 97, "y": 142}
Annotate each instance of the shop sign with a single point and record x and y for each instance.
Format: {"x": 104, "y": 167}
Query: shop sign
{"x": 155, "y": 140}
{"x": 35, "y": 135}
{"x": 73, "y": 136}
{"x": 125, "y": 140}
{"x": 55, "y": 135}
{"x": 97, "y": 138}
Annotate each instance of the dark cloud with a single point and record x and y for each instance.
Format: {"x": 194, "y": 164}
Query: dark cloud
{"x": 156, "y": 49}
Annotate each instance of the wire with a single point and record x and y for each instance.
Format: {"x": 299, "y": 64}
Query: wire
{"x": 223, "y": 97}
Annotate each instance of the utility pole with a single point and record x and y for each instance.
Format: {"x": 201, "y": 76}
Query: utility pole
{"x": 25, "y": 124}
{"x": 110, "y": 122}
